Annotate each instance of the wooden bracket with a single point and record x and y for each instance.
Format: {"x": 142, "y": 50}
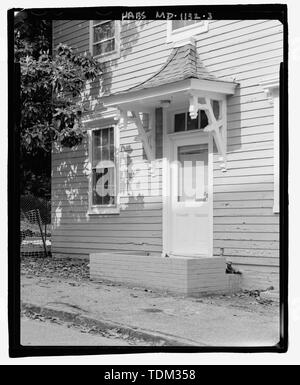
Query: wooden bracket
{"x": 143, "y": 135}
{"x": 215, "y": 128}
{"x": 193, "y": 109}
{"x": 195, "y": 106}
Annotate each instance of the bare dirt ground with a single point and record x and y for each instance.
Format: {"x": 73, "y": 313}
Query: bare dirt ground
{"x": 78, "y": 270}
{"x": 242, "y": 319}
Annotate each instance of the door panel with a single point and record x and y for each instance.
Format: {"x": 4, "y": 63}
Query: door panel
{"x": 189, "y": 211}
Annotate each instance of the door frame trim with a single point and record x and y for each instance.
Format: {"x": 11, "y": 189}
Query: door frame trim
{"x": 168, "y": 141}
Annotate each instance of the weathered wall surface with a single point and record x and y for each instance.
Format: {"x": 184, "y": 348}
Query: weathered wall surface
{"x": 246, "y": 230}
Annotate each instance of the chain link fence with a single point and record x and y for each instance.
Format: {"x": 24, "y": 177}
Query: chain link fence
{"x": 35, "y": 226}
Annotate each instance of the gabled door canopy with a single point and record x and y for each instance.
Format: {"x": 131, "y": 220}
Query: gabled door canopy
{"x": 182, "y": 79}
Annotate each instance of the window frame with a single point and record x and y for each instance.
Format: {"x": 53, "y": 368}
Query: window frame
{"x": 103, "y": 209}
{"x": 107, "y": 56}
{"x": 186, "y": 112}
{"x": 181, "y": 34}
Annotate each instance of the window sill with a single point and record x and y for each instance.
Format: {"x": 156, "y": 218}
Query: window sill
{"x": 103, "y": 210}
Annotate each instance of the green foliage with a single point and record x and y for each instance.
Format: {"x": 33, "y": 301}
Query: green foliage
{"x": 50, "y": 96}
{"x": 51, "y": 86}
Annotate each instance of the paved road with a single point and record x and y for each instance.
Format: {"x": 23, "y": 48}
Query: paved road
{"x": 37, "y": 333}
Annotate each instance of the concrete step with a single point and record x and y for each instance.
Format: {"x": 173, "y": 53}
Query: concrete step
{"x": 191, "y": 276}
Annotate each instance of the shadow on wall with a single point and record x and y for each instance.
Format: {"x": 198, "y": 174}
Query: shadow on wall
{"x": 70, "y": 186}
{"x": 129, "y": 37}
{"x": 70, "y": 166}
{"x": 76, "y": 231}
{"x": 234, "y": 131}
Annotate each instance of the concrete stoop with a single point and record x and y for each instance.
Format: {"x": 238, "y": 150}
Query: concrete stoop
{"x": 190, "y": 276}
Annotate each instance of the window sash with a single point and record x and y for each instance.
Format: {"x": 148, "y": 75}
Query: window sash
{"x": 103, "y": 139}
{"x": 103, "y": 46}
{"x": 180, "y": 35}
{"x": 105, "y": 39}
{"x": 107, "y": 199}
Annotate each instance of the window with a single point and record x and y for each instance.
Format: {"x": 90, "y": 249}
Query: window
{"x": 180, "y": 30}
{"x": 183, "y": 121}
{"x": 103, "y": 180}
{"x": 176, "y": 24}
{"x": 105, "y": 39}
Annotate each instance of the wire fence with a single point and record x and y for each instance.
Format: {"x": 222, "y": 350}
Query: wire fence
{"x": 35, "y": 226}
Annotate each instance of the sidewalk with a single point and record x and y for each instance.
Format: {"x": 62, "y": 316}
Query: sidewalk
{"x": 154, "y": 317}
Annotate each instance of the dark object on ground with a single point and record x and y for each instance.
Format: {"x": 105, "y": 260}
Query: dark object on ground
{"x": 230, "y": 269}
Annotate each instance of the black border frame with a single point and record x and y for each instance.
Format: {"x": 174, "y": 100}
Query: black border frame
{"x": 250, "y": 11}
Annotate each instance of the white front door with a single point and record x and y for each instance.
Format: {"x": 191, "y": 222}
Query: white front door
{"x": 190, "y": 190}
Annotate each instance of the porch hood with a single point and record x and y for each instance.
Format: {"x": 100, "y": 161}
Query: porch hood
{"x": 182, "y": 80}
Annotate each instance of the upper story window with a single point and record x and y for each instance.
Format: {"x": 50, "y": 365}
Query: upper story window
{"x": 105, "y": 39}
{"x": 176, "y": 24}
{"x": 180, "y": 30}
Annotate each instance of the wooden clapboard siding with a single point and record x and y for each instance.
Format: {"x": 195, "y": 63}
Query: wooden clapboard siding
{"x": 138, "y": 227}
{"x": 245, "y": 227}
{"x": 246, "y": 231}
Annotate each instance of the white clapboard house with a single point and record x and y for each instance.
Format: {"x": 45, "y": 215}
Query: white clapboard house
{"x": 179, "y": 170}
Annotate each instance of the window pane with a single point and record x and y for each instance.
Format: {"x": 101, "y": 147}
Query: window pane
{"x": 193, "y": 173}
{"x": 111, "y": 145}
{"x": 104, "y": 141}
{"x": 105, "y": 47}
{"x": 203, "y": 119}
{"x": 112, "y": 153}
{"x": 96, "y": 152}
{"x": 104, "y": 152}
{"x": 111, "y": 136}
{"x": 103, "y": 185}
{"x": 179, "y": 122}
{"x": 103, "y": 145}
{"x": 182, "y": 23}
{"x": 192, "y": 124}
{"x": 104, "y": 31}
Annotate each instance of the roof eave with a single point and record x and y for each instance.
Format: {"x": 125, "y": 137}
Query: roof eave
{"x": 163, "y": 91}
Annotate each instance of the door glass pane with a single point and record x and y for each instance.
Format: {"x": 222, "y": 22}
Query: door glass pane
{"x": 192, "y": 173}
{"x": 179, "y": 122}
